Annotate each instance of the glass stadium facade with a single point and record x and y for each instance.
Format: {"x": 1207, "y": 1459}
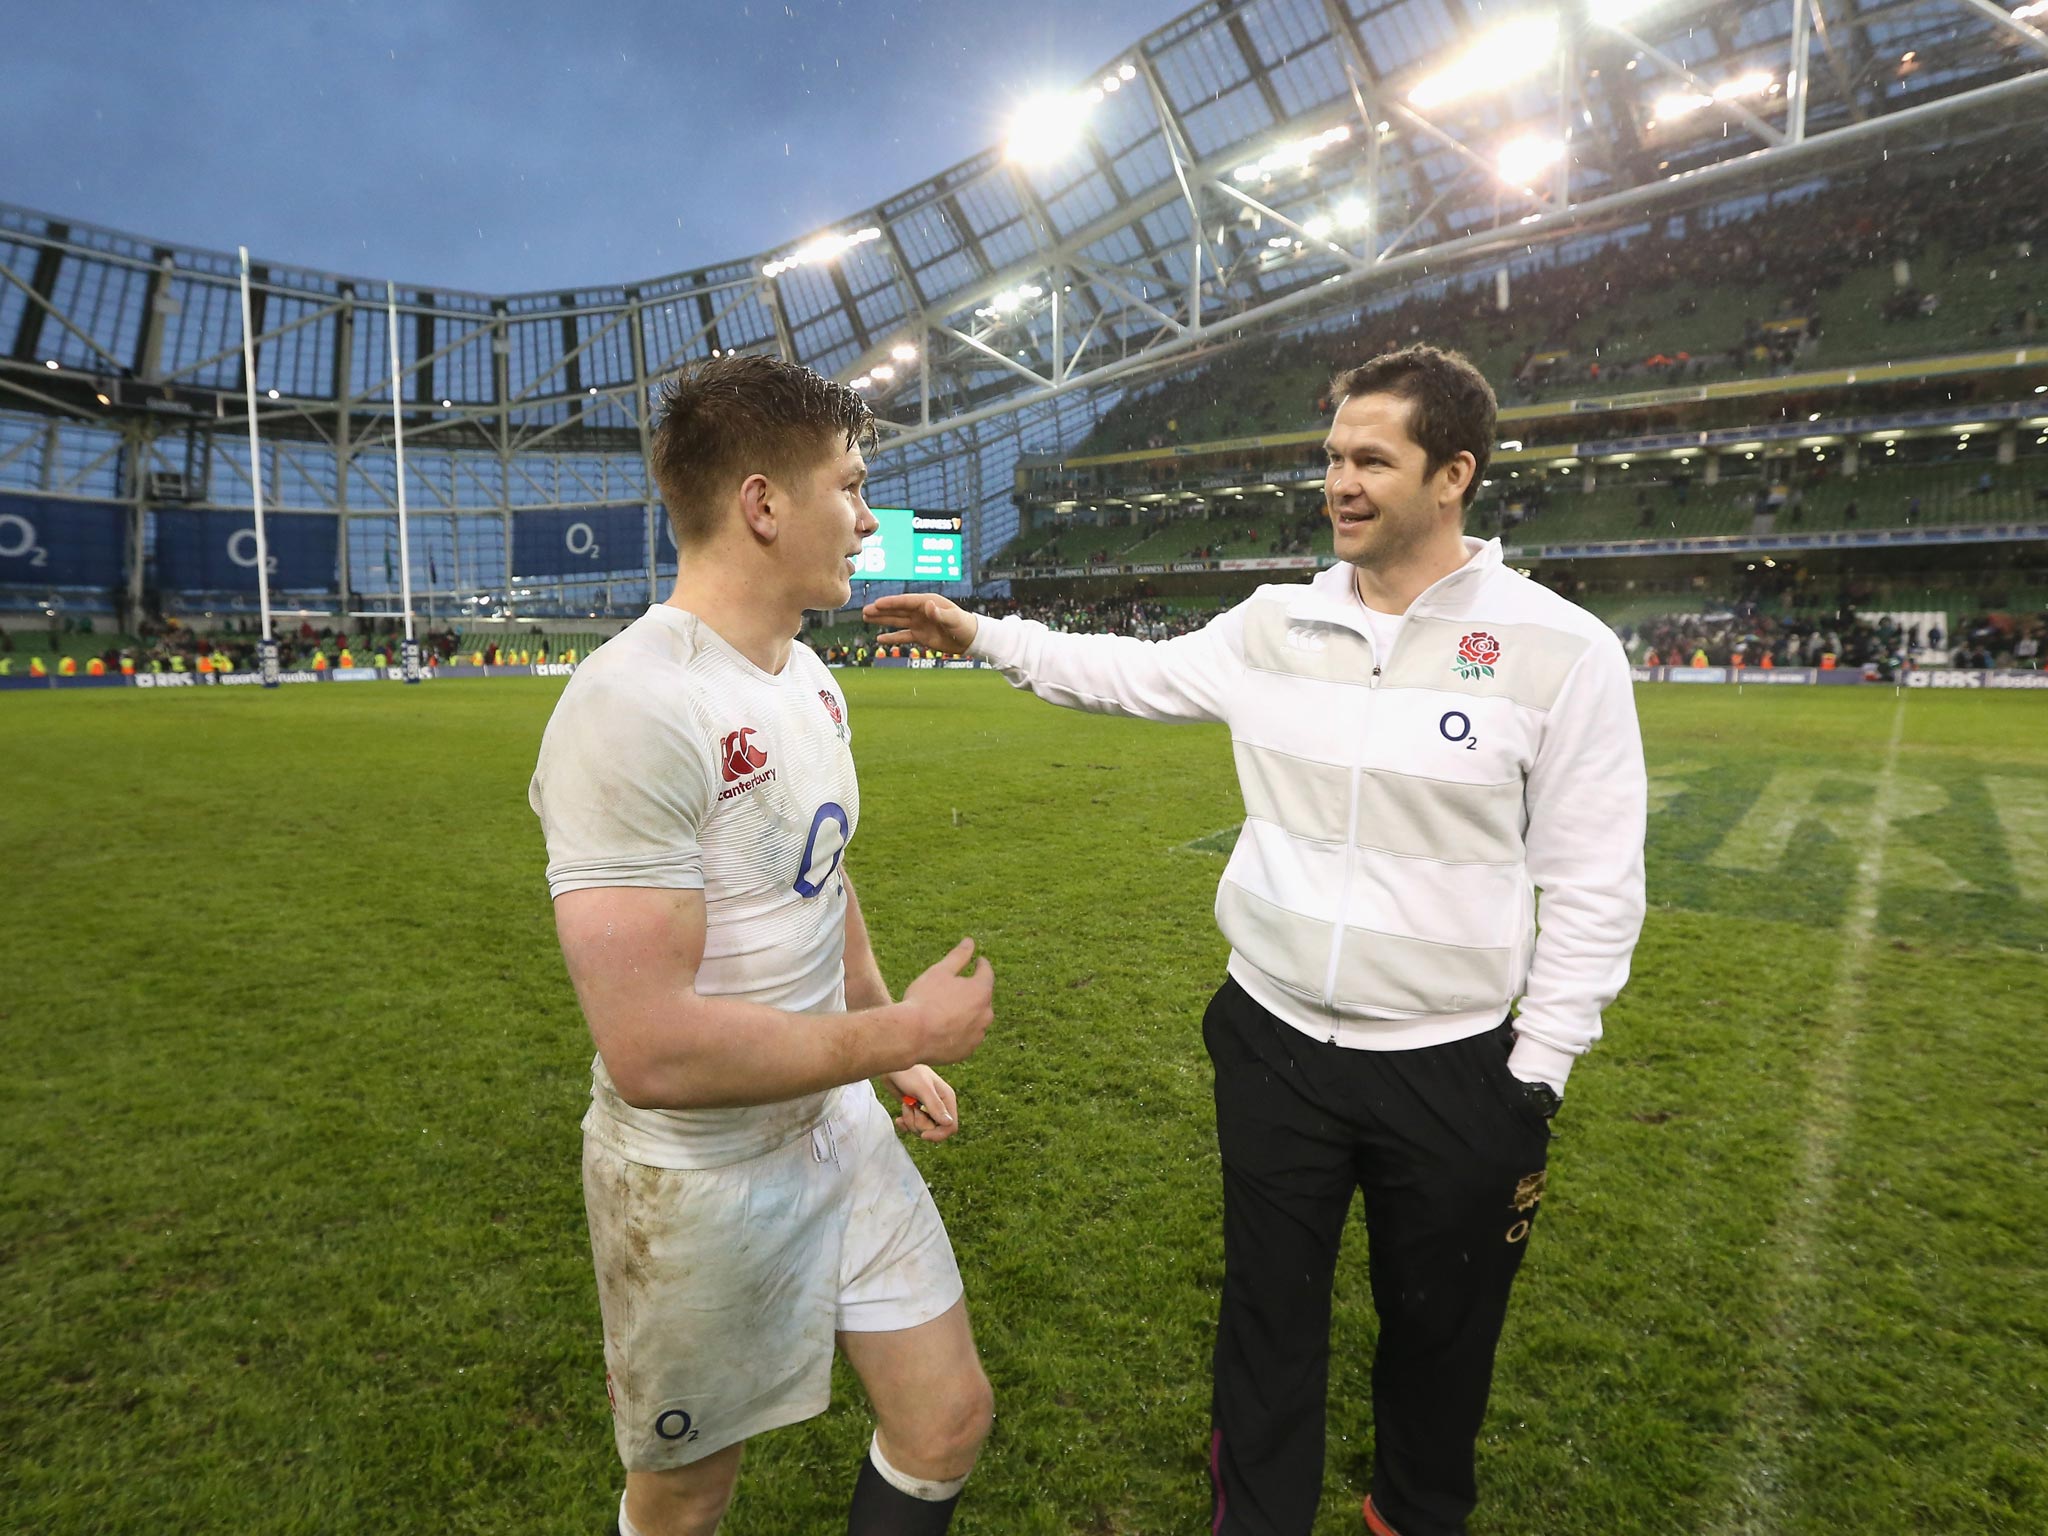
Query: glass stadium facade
{"x": 1250, "y": 167}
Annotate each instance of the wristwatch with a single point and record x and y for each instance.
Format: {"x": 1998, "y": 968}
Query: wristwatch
{"x": 1543, "y": 1098}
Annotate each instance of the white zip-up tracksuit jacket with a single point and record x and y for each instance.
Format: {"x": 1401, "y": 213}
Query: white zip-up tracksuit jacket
{"x": 1402, "y": 811}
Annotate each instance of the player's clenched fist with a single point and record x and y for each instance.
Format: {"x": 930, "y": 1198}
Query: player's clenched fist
{"x": 955, "y": 1011}
{"x": 923, "y": 618}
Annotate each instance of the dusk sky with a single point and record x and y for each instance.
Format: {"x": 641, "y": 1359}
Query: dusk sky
{"x": 509, "y": 145}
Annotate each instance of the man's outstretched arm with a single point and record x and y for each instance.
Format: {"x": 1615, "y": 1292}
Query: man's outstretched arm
{"x": 1189, "y": 678}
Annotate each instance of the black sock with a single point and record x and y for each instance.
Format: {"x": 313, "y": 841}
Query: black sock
{"x": 880, "y": 1508}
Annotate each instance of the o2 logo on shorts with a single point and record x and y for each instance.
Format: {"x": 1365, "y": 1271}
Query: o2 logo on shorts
{"x": 1456, "y": 728}
{"x": 674, "y": 1424}
{"x": 822, "y": 849}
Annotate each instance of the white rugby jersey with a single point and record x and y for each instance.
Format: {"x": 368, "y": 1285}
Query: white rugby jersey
{"x": 672, "y": 761}
{"x": 1404, "y": 801}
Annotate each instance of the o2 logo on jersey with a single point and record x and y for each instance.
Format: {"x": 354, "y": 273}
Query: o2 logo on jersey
{"x": 822, "y": 850}
{"x": 1456, "y": 728}
{"x": 738, "y": 756}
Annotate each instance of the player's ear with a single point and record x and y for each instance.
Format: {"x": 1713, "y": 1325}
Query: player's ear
{"x": 758, "y": 498}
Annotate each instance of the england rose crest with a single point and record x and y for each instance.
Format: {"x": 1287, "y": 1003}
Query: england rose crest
{"x": 1477, "y": 653}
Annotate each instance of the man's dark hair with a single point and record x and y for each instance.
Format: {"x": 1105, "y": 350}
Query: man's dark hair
{"x": 1451, "y": 406}
{"x": 718, "y": 422}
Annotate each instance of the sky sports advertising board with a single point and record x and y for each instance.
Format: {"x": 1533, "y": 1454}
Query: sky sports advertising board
{"x": 911, "y": 546}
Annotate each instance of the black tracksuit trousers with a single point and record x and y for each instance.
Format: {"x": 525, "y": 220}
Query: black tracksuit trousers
{"x": 1450, "y": 1156}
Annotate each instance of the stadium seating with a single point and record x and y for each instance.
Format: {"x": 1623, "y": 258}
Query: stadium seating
{"x": 34, "y": 640}
{"x": 471, "y": 641}
{"x": 1074, "y": 543}
{"x": 1608, "y": 326}
{"x": 1948, "y": 495}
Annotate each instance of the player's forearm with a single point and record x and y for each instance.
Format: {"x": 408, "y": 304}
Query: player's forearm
{"x": 717, "y": 1052}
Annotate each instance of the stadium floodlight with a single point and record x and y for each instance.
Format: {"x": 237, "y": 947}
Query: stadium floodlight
{"x": 824, "y": 248}
{"x": 1522, "y": 160}
{"x": 1127, "y": 72}
{"x": 50, "y": 363}
{"x": 1671, "y": 107}
{"x": 1318, "y": 225}
{"x": 903, "y": 352}
{"x": 884, "y": 372}
{"x": 1111, "y": 84}
{"x": 1617, "y": 13}
{"x": 863, "y": 382}
{"x": 1757, "y": 82}
{"x": 2038, "y": 8}
{"x": 1679, "y": 104}
{"x": 104, "y": 399}
{"x": 1509, "y": 53}
{"x": 1045, "y": 128}
{"x": 1352, "y": 213}
{"x": 1009, "y": 301}
{"x": 1292, "y": 156}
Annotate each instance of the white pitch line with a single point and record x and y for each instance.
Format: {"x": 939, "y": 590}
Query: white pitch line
{"x": 1768, "y": 1408}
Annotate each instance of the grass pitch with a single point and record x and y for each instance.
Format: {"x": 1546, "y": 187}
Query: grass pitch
{"x": 291, "y": 1236}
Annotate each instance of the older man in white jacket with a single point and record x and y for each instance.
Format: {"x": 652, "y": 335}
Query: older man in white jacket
{"x": 1436, "y": 755}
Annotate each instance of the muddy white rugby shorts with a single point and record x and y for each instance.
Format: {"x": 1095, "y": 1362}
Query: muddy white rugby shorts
{"x": 721, "y": 1288}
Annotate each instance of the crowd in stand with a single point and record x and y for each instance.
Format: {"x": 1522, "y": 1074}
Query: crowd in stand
{"x": 1121, "y": 616}
{"x": 1791, "y": 257}
{"x": 1111, "y": 616}
{"x": 1742, "y": 634}
{"x": 1747, "y": 637}
{"x": 172, "y": 646}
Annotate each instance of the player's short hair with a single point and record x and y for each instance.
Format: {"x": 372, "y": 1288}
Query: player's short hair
{"x": 720, "y": 421}
{"x": 1452, "y": 408}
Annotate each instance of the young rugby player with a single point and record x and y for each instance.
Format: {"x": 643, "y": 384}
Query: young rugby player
{"x": 748, "y": 1203}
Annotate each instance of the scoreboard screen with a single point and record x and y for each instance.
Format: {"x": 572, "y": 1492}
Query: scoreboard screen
{"x": 912, "y": 546}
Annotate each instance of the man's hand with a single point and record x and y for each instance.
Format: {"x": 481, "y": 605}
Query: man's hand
{"x": 930, "y": 1108}
{"x": 923, "y": 618}
{"x": 954, "y": 1011}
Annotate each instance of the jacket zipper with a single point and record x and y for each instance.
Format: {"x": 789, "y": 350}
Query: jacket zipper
{"x": 1350, "y": 843}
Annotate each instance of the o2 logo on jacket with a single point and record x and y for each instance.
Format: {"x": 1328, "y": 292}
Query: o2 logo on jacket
{"x": 822, "y": 850}
{"x": 738, "y": 756}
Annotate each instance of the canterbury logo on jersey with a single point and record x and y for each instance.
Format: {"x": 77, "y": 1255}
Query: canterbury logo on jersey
{"x": 738, "y": 756}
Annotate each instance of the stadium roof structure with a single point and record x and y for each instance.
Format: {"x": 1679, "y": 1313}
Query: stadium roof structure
{"x": 1245, "y": 164}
